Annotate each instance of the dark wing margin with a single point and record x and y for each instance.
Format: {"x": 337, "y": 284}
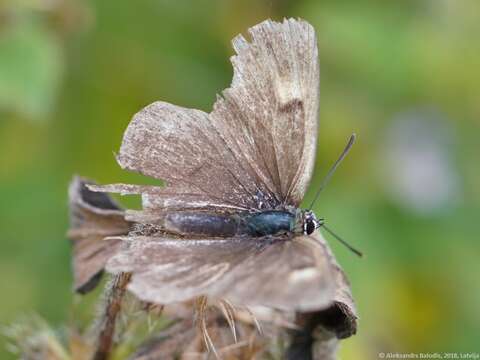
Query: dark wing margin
{"x": 93, "y": 217}
{"x": 341, "y": 317}
{"x": 255, "y": 150}
{"x": 318, "y": 331}
{"x": 275, "y": 272}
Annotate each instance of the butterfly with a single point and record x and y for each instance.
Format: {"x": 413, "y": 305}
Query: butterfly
{"x": 228, "y": 224}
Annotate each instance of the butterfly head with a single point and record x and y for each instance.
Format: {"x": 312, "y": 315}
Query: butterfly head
{"x": 309, "y": 222}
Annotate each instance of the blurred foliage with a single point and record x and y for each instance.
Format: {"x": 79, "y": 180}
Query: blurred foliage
{"x": 30, "y": 66}
{"x": 83, "y": 68}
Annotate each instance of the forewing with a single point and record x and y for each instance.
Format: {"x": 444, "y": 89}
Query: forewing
{"x": 269, "y": 114}
{"x": 256, "y": 149}
{"x": 183, "y": 147}
{"x": 288, "y": 274}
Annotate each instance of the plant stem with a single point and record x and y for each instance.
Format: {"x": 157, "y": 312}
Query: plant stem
{"x": 112, "y": 308}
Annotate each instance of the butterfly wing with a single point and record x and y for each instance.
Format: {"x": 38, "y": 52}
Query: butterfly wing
{"x": 285, "y": 274}
{"x": 93, "y": 216}
{"x": 184, "y": 148}
{"x": 255, "y": 150}
{"x": 269, "y": 114}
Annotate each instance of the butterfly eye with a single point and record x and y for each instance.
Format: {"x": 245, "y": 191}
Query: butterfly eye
{"x": 309, "y": 226}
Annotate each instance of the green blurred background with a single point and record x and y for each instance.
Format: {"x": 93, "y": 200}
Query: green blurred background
{"x": 403, "y": 75}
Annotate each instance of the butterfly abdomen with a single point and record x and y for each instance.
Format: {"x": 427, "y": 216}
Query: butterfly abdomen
{"x": 263, "y": 223}
{"x": 191, "y": 223}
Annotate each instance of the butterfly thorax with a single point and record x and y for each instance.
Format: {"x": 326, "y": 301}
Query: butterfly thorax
{"x": 291, "y": 221}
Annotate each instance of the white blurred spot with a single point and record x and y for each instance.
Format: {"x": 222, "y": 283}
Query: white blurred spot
{"x": 420, "y": 170}
{"x": 303, "y": 274}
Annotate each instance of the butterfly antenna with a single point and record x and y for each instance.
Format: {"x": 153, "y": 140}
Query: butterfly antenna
{"x": 326, "y": 179}
{"x": 350, "y": 247}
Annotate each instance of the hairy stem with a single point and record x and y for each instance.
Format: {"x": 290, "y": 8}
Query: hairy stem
{"x": 112, "y": 308}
